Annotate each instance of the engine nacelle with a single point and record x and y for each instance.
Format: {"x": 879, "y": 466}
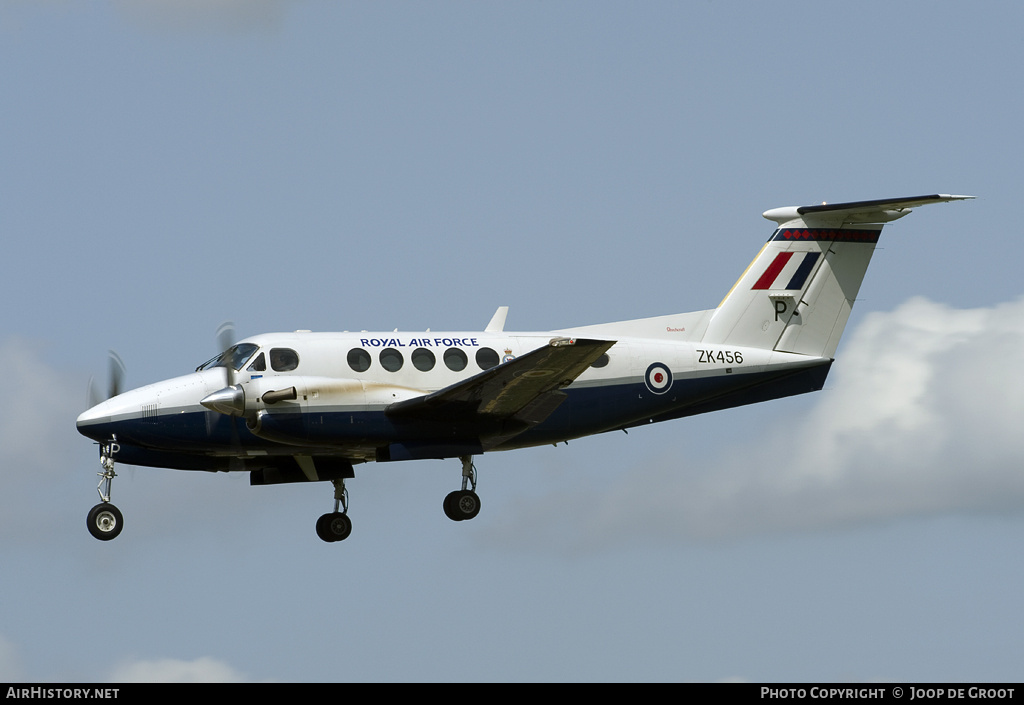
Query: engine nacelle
{"x": 314, "y": 411}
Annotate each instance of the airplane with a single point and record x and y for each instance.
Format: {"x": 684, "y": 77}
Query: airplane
{"x": 311, "y": 406}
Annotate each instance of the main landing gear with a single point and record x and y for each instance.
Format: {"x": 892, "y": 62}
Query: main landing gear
{"x": 464, "y": 504}
{"x": 336, "y": 526}
{"x": 105, "y": 521}
{"x": 459, "y": 505}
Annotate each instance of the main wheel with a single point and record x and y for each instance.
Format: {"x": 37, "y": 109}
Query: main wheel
{"x": 461, "y": 505}
{"x": 449, "y": 500}
{"x": 333, "y": 527}
{"x": 105, "y": 521}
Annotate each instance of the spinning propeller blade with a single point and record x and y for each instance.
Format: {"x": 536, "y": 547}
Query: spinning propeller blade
{"x": 116, "y": 375}
{"x": 225, "y": 336}
{"x": 115, "y": 381}
{"x": 225, "y": 339}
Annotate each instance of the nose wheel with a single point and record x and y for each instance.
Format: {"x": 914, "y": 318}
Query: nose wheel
{"x": 104, "y": 520}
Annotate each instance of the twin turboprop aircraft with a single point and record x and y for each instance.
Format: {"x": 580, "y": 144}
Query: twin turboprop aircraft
{"x": 307, "y": 407}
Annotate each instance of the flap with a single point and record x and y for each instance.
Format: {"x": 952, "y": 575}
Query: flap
{"x": 529, "y": 383}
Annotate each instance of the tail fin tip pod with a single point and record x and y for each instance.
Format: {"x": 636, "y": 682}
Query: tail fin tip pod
{"x": 797, "y": 294}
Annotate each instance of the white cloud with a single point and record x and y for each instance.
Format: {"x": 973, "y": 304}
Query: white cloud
{"x": 10, "y": 662}
{"x": 922, "y": 415}
{"x": 167, "y": 670}
{"x": 41, "y": 401}
{"x": 922, "y": 419}
{"x": 41, "y": 448}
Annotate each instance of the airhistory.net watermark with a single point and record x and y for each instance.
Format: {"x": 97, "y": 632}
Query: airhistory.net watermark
{"x": 40, "y": 693}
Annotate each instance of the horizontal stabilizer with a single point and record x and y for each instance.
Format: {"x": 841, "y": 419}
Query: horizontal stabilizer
{"x": 878, "y": 211}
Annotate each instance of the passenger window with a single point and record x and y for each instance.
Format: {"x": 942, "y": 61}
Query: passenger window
{"x": 601, "y": 361}
{"x": 259, "y": 364}
{"x": 283, "y": 359}
{"x": 359, "y": 359}
{"x": 391, "y": 360}
{"x": 423, "y": 359}
{"x": 487, "y": 358}
{"x": 455, "y": 360}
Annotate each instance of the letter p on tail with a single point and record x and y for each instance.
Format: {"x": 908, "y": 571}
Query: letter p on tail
{"x": 797, "y": 294}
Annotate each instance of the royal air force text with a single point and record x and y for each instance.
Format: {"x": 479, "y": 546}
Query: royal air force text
{"x": 419, "y": 342}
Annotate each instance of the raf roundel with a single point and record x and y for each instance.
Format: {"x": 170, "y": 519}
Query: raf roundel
{"x": 658, "y": 378}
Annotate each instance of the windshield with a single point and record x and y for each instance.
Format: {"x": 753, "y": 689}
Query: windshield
{"x": 234, "y": 357}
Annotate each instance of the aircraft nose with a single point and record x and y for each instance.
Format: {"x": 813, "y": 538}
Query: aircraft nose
{"x": 96, "y": 422}
{"x": 145, "y": 406}
{"x": 90, "y": 416}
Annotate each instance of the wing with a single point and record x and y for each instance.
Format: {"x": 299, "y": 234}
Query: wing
{"x": 504, "y": 401}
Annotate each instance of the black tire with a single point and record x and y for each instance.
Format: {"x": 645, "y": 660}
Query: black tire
{"x": 332, "y": 527}
{"x": 449, "y": 506}
{"x": 321, "y": 528}
{"x": 462, "y": 505}
{"x": 105, "y": 521}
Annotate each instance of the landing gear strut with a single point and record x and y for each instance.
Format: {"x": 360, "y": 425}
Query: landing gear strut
{"x": 105, "y": 521}
{"x": 464, "y": 504}
{"x": 336, "y": 526}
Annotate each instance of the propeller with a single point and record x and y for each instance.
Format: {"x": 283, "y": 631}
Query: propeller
{"x": 225, "y": 336}
{"x": 115, "y": 380}
{"x": 228, "y": 400}
{"x": 225, "y": 339}
{"x": 231, "y": 399}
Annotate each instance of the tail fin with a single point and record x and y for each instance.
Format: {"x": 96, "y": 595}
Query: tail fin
{"x": 797, "y": 294}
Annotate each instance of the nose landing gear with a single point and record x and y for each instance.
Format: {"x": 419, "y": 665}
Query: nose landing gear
{"x": 105, "y": 521}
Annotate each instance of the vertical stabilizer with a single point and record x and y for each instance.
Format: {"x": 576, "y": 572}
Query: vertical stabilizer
{"x": 797, "y": 294}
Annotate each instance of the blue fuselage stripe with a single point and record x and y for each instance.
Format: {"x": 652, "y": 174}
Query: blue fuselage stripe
{"x": 190, "y": 439}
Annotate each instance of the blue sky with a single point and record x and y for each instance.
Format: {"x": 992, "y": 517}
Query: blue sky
{"x": 285, "y": 165}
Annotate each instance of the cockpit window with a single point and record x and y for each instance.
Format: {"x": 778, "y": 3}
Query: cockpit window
{"x": 258, "y": 365}
{"x": 234, "y": 357}
{"x": 283, "y": 359}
